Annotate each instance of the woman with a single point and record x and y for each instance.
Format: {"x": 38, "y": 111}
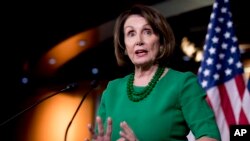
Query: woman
{"x": 153, "y": 103}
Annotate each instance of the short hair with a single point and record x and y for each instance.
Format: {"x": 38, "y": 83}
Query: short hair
{"x": 158, "y": 23}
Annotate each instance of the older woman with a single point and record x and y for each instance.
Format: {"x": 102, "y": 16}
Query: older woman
{"x": 153, "y": 103}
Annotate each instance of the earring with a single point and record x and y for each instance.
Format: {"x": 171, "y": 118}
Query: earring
{"x": 161, "y": 48}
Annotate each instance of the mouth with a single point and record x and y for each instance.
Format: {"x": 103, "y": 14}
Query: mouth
{"x": 141, "y": 52}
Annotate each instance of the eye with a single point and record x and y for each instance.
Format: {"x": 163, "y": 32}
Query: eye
{"x": 148, "y": 32}
{"x": 130, "y": 33}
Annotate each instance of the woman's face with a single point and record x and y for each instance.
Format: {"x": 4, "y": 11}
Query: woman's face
{"x": 142, "y": 44}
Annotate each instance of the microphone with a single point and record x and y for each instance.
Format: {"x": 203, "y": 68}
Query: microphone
{"x": 93, "y": 85}
{"x": 67, "y": 88}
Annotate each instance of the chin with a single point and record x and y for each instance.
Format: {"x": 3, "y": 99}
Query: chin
{"x": 141, "y": 63}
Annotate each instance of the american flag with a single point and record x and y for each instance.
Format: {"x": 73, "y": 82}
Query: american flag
{"x": 221, "y": 71}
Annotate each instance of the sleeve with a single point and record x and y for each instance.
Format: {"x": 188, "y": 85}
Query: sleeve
{"x": 101, "y": 111}
{"x": 102, "y": 108}
{"x": 197, "y": 113}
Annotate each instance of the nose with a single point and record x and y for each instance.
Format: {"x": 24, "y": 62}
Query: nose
{"x": 139, "y": 41}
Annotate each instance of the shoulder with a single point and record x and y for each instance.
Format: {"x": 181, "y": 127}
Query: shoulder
{"x": 187, "y": 81}
{"x": 181, "y": 74}
{"x": 183, "y": 79}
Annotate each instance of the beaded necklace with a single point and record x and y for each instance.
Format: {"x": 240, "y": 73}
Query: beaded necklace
{"x": 138, "y": 96}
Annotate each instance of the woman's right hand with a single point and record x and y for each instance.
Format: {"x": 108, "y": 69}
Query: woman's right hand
{"x": 101, "y": 135}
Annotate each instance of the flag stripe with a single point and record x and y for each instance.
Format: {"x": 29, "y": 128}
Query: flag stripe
{"x": 240, "y": 85}
{"x": 221, "y": 71}
{"x": 243, "y": 118}
{"x": 235, "y": 100}
{"x": 226, "y": 105}
{"x": 241, "y": 89}
{"x": 214, "y": 99}
{"x": 246, "y": 105}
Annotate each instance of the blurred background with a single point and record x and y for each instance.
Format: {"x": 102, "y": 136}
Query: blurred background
{"x": 47, "y": 47}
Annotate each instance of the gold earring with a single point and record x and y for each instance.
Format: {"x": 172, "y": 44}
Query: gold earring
{"x": 161, "y": 48}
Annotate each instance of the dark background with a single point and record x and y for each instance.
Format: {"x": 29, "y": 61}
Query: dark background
{"x": 29, "y": 30}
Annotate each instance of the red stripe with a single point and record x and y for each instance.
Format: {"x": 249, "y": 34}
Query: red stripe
{"x": 241, "y": 89}
{"x": 209, "y": 102}
{"x": 243, "y": 119}
{"x": 226, "y": 105}
{"x": 240, "y": 85}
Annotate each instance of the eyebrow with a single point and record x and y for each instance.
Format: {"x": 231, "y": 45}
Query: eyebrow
{"x": 129, "y": 26}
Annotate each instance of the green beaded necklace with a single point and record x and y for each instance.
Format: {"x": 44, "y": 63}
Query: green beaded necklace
{"x": 136, "y": 96}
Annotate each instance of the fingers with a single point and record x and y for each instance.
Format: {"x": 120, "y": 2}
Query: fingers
{"x": 127, "y": 132}
{"x": 126, "y": 128}
{"x": 100, "y": 134}
{"x": 109, "y": 127}
{"x": 91, "y": 130}
{"x": 121, "y": 139}
{"x": 100, "y": 126}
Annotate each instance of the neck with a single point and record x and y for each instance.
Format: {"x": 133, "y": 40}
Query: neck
{"x": 145, "y": 71}
{"x": 143, "y": 75}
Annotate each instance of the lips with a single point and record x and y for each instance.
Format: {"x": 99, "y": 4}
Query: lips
{"x": 141, "y": 52}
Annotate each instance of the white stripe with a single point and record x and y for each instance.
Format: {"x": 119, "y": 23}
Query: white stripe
{"x": 214, "y": 98}
{"x": 246, "y": 98}
{"x": 213, "y": 95}
{"x": 190, "y": 136}
{"x": 234, "y": 98}
{"x": 246, "y": 104}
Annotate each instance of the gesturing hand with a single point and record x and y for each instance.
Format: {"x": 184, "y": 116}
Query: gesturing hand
{"x": 101, "y": 135}
{"x": 127, "y": 134}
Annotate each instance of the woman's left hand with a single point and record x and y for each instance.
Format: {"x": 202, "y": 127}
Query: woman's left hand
{"x": 127, "y": 133}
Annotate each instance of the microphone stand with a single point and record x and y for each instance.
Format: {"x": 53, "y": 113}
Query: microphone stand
{"x": 93, "y": 85}
{"x": 68, "y": 87}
